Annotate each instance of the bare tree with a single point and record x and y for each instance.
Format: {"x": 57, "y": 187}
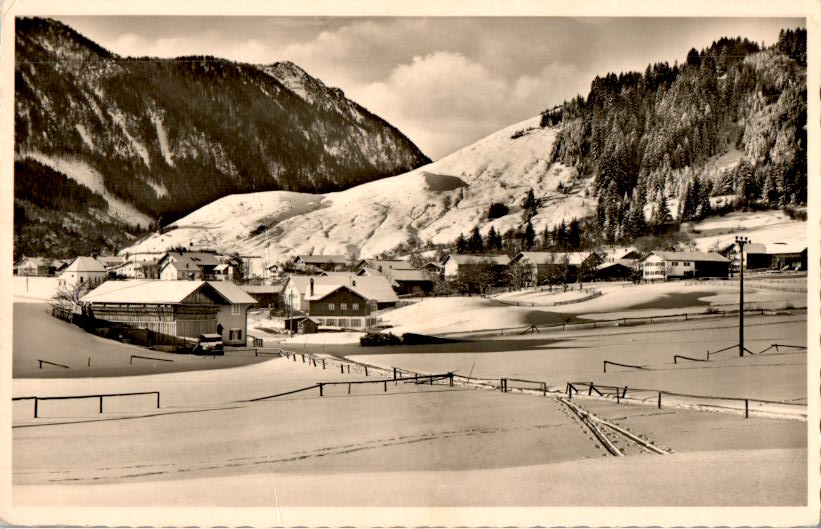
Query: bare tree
{"x": 68, "y": 295}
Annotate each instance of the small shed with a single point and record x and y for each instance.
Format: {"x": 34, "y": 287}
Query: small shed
{"x": 308, "y": 326}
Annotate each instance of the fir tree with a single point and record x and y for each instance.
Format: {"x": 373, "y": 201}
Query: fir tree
{"x": 476, "y": 244}
{"x": 529, "y": 236}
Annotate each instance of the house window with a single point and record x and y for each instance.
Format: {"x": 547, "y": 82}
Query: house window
{"x": 330, "y": 322}
{"x": 331, "y": 306}
{"x": 235, "y": 334}
{"x": 354, "y": 306}
{"x": 343, "y": 322}
{"x": 235, "y": 310}
{"x": 343, "y": 306}
{"x": 356, "y": 322}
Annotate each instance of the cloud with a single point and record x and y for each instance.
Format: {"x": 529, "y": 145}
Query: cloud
{"x": 444, "y": 100}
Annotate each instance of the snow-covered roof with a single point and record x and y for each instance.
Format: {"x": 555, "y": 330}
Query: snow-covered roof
{"x": 85, "y": 264}
{"x": 161, "y": 292}
{"x": 142, "y": 291}
{"x": 409, "y": 275}
{"x": 691, "y": 256}
{"x": 469, "y": 258}
{"x": 385, "y": 264}
{"x": 196, "y": 258}
{"x": 775, "y": 248}
{"x": 36, "y": 261}
{"x": 322, "y": 259}
{"x": 231, "y": 292}
{"x": 263, "y": 289}
{"x": 222, "y": 267}
{"x": 369, "y": 287}
{"x": 628, "y": 263}
{"x": 542, "y": 258}
{"x": 110, "y": 260}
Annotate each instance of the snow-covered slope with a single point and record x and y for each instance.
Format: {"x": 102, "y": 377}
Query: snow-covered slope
{"x": 435, "y": 202}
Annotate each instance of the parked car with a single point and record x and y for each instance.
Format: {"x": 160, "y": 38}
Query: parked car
{"x": 209, "y": 344}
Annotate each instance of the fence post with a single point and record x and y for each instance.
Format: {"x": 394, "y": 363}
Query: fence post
{"x": 303, "y": 358}
{"x": 89, "y": 361}
{"x": 625, "y": 392}
{"x": 431, "y": 380}
{"x": 747, "y": 408}
{"x": 590, "y": 390}
{"x": 618, "y": 397}
{"x": 604, "y": 364}
{"x": 158, "y": 400}
{"x": 451, "y": 379}
{"x": 659, "y": 399}
{"x": 323, "y": 363}
{"x": 349, "y": 388}
{"x": 544, "y": 389}
{"x": 386, "y": 386}
{"x": 394, "y": 373}
{"x": 101, "y": 404}
{"x": 502, "y": 385}
{"x": 35, "y": 407}
{"x": 342, "y": 369}
{"x": 320, "y": 389}
{"x": 349, "y": 369}
{"x": 366, "y": 370}
{"x": 314, "y": 361}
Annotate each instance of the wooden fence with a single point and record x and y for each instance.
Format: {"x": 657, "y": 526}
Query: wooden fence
{"x": 99, "y": 396}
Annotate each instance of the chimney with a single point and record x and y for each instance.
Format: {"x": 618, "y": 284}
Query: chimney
{"x": 312, "y": 287}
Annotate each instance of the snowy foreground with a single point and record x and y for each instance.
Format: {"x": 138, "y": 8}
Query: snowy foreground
{"x": 406, "y": 444}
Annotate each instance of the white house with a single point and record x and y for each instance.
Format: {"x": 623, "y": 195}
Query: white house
{"x": 661, "y": 266}
{"x": 83, "y": 270}
{"x": 452, "y": 263}
{"x": 297, "y": 290}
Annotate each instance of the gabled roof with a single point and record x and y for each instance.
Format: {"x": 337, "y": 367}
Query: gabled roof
{"x": 544, "y": 258}
{"x": 36, "y": 261}
{"x": 184, "y": 264}
{"x": 775, "y": 248}
{"x": 110, "y": 260}
{"x": 231, "y": 292}
{"x": 142, "y": 291}
{"x": 263, "y": 289}
{"x": 369, "y": 287}
{"x": 385, "y": 264}
{"x": 322, "y": 259}
{"x": 473, "y": 259}
{"x": 153, "y": 291}
{"x": 627, "y": 263}
{"x": 85, "y": 264}
{"x": 409, "y": 275}
{"x": 196, "y": 258}
{"x": 691, "y": 256}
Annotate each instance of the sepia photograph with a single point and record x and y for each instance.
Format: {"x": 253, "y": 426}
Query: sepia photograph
{"x": 411, "y": 267}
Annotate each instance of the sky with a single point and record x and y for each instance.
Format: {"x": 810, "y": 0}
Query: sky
{"x": 444, "y": 82}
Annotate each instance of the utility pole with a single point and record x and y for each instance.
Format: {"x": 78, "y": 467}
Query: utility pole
{"x": 741, "y": 241}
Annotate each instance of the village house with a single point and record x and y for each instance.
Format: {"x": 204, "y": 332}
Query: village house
{"x": 663, "y": 266}
{"x": 188, "y": 265}
{"x": 340, "y": 306}
{"x": 543, "y": 264}
{"x": 35, "y": 266}
{"x": 618, "y": 270}
{"x": 411, "y": 282}
{"x": 172, "y": 310}
{"x": 778, "y": 256}
{"x": 269, "y": 296}
{"x": 296, "y": 291}
{"x": 315, "y": 263}
{"x": 434, "y": 269}
{"x": 82, "y": 270}
{"x": 469, "y": 263}
{"x": 383, "y": 265}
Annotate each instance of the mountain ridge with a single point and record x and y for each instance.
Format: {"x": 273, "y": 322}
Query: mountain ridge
{"x": 170, "y": 135}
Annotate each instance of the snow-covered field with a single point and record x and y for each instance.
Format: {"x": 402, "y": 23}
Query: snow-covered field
{"x": 403, "y": 444}
{"x": 759, "y": 226}
{"x": 435, "y": 202}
